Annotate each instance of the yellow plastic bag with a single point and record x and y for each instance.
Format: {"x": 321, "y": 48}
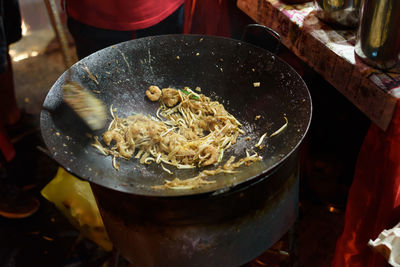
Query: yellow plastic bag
{"x": 74, "y": 198}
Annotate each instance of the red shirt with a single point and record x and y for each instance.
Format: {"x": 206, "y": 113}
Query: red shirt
{"x": 121, "y": 15}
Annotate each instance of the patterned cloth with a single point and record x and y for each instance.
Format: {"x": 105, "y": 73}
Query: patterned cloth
{"x": 330, "y": 52}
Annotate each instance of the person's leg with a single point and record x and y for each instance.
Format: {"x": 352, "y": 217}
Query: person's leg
{"x": 8, "y": 103}
{"x": 14, "y": 202}
{"x": 173, "y": 24}
{"x": 16, "y": 123}
{"x": 90, "y": 39}
{"x": 6, "y": 147}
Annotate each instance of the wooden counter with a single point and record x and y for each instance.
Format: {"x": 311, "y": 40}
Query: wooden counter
{"x": 330, "y": 53}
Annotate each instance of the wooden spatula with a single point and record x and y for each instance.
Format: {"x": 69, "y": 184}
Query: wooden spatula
{"x": 88, "y": 107}
{"x": 82, "y": 101}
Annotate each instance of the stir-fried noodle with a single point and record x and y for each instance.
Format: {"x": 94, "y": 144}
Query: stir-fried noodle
{"x": 189, "y": 131}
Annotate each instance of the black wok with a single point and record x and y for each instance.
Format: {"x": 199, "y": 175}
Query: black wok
{"x": 226, "y": 223}
{"x": 225, "y": 70}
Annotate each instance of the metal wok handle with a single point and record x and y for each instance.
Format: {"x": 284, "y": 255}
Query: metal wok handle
{"x": 262, "y": 36}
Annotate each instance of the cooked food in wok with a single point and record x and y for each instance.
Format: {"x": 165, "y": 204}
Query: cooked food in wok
{"x": 189, "y": 130}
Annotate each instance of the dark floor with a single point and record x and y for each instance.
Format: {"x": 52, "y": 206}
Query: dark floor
{"x": 47, "y": 239}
